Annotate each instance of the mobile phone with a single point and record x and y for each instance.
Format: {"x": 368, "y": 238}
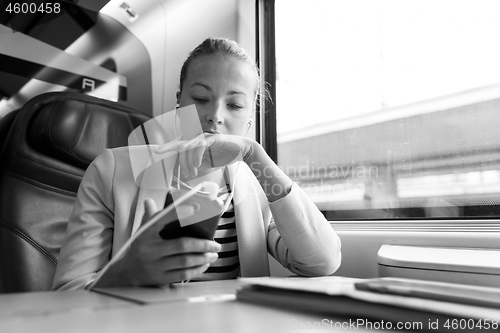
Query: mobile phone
{"x": 202, "y": 224}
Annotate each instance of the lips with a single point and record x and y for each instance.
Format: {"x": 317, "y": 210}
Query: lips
{"x": 211, "y": 132}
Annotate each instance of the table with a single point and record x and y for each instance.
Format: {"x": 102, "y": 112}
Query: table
{"x": 189, "y": 308}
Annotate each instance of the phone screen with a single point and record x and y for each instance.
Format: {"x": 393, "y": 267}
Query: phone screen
{"x": 205, "y": 228}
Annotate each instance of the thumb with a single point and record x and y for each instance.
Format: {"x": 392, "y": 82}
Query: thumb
{"x": 150, "y": 210}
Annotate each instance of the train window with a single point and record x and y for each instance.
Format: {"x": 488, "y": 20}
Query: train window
{"x": 390, "y": 109}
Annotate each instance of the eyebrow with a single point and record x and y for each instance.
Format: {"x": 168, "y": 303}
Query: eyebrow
{"x": 201, "y": 84}
{"x": 210, "y": 89}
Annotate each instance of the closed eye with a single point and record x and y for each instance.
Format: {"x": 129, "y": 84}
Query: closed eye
{"x": 200, "y": 100}
{"x": 235, "y": 106}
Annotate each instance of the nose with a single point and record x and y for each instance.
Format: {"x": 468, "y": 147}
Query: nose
{"x": 216, "y": 115}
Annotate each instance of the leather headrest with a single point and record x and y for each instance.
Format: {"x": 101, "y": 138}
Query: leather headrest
{"x": 76, "y": 131}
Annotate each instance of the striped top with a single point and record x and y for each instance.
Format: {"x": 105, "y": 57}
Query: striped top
{"x": 227, "y": 265}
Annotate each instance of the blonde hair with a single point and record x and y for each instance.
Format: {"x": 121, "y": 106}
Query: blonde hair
{"x": 223, "y": 47}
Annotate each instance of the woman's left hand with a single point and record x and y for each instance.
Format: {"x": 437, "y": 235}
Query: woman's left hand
{"x": 209, "y": 151}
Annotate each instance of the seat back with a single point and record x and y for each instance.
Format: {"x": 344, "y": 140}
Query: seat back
{"x": 5, "y": 124}
{"x": 50, "y": 143}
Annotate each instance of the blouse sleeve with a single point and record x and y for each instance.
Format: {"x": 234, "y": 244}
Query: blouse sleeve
{"x": 89, "y": 234}
{"x": 300, "y": 237}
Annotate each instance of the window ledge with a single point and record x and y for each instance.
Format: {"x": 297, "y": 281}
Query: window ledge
{"x": 419, "y": 225}
{"x": 477, "y": 266}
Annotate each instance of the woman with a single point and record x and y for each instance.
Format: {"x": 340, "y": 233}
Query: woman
{"x": 273, "y": 216}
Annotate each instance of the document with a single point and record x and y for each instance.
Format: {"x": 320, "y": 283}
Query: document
{"x": 341, "y": 296}
{"x": 440, "y": 291}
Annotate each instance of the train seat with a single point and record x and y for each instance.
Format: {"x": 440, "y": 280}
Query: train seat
{"x": 50, "y": 143}
{"x": 5, "y": 124}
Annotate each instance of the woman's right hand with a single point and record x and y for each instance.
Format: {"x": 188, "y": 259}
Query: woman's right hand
{"x": 151, "y": 260}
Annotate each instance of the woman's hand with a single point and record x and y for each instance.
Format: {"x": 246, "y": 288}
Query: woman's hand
{"x": 209, "y": 151}
{"x": 216, "y": 150}
{"x": 151, "y": 260}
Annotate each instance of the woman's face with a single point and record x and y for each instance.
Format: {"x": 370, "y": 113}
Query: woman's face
{"x": 223, "y": 89}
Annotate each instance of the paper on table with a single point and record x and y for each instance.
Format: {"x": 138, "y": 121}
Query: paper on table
{"x": 194, "y": 292}
{"x": 330, "y": 285}
{"x": 343, "y": 286}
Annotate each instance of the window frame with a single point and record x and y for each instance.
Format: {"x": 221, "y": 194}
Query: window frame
{"x": 266, "y": 134}
{"x": 266, "y": 62}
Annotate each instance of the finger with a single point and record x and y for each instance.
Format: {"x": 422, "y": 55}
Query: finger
{"x": 189, "y": 260}
{"x": 194, "y": 151}
{"x": 173, "y": 145}
{"x": 168, "y": 252}
{"x": 150, "y": 210}
{"x": 183, "y": 160}
{"x": 184, "y": 151}
{"x": 199, "y": 154}
{"x": 198, "y": 140}
{"x": 195, "y": 156}
{"x": 204, "y": 157}
{"x": 190, "y": 245}
{"x": 190, "y": 152}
